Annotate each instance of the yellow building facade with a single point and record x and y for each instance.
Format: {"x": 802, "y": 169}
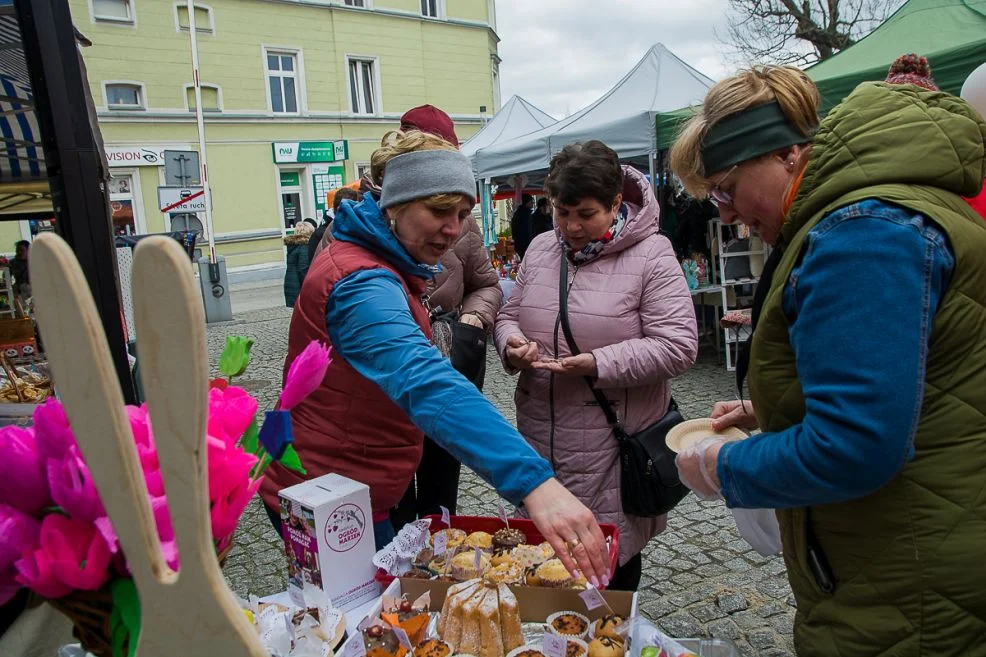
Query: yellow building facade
{"x": 296, "y": 96}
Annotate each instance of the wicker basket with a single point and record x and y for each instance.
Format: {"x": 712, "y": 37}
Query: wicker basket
{"x": 90, "y": 613}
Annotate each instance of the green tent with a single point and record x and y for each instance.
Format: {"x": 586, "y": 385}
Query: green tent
{"x": 950, "y": 33}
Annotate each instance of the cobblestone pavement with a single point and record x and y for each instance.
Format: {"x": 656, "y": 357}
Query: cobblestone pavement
{"x": 699, "y": 579}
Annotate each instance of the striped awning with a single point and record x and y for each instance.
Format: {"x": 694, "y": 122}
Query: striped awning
{"x": 21, "y": 156}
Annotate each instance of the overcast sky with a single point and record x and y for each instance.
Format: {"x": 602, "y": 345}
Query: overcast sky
{"x": 563, "y": 54}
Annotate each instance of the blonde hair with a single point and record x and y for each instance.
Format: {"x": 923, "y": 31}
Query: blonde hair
{"x": 397, "y": 142}
{"x": 794, "y": 91}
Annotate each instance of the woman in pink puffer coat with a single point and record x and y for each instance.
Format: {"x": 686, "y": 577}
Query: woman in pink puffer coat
{"x": 630, "y": 314}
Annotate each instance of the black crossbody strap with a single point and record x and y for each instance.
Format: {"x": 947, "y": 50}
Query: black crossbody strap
{"x": 604, "y": 404}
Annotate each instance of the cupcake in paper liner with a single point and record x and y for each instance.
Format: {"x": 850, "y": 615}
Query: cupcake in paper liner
{"x": 527, "y": 650}
{"x": 553, "y": 574}
{"x": 568, "y": 624}
{"x": 606, "y": 646}
{"x": 433, "y": 648}
{"x": 576, "y": 647}
{"x": 481, "y": 540}
{"x": 454, "y": 538}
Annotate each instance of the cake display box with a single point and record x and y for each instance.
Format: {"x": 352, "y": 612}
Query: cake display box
{"x": 471, "y": 524}
{"x": 328, "y": 539}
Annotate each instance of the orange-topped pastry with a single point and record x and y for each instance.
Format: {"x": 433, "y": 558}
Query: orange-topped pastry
{"x": 411, "y": 620}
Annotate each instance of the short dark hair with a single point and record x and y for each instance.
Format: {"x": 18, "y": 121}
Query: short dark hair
{"x": 344, "y": 194}
{"x": 24, "y": 243}
{"x": 543, "y": 201}
{"x": 585, "y": 170}
{"x": 526, "y": 198}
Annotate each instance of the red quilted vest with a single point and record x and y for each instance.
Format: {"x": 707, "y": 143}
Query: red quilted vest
{"x": 348, "y": 425}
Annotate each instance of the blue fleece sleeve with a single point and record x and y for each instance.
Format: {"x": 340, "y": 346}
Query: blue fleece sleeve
{"x": 371, "y": 326}
{"x": 861, "y": 305}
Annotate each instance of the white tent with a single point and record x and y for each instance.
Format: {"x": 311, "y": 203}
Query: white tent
{"x": 516, "y": 118}
{"x": 623, "y": 118}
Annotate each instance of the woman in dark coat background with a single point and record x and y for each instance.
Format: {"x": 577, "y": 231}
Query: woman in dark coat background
{"x": 297, "y": 261}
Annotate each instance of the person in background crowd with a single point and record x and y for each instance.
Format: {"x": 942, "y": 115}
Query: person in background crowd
{"x": 311, "y": 222}
{"x": 520, "y": 225}
{"x": 541, "y": 221}
{"x": 387, "y": 386}
{"x": 297, "y": 261}
{"x": 324, "y": 232}
{"x": 467, "y": 283}
{"x": 20, "y": 270}
{"x": 631, "y": 316}
{"x": 874, "y": 432}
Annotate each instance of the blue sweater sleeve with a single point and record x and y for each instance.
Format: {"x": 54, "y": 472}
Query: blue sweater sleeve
{"x": 371, "y": 326}
{"x": 860, "y": 305}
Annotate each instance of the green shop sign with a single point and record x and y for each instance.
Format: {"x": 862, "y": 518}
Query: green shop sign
{"x": 289, "y": 152}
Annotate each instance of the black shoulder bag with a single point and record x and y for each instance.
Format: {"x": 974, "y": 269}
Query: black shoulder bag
{"x": 649, "y": 484}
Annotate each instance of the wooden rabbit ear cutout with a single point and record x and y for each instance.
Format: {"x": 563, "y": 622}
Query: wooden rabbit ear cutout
{"x": 192, "y": 612}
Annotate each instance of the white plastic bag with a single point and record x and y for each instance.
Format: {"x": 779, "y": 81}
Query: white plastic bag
{"x": 759, "y": 528}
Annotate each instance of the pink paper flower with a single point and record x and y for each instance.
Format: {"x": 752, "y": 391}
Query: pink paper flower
{"x": 51, "y": 429}
{"x": 72, "y": 487}
{"x": 23, "y": 484}
{"x": 230, "y": 489}
{"x": 226, "y": 511}
{"x": 72, "y": 554}
{"x": 18, "y": 532}
{"x": 305, "y": 374}
{"x": 231, "y": 410}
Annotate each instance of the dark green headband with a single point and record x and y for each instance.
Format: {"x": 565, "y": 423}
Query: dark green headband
{"x": 748, "y": 134}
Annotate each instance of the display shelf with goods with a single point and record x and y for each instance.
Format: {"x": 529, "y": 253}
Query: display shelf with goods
{"x": 737, "y": 262}
{"x": 8, "y": 304}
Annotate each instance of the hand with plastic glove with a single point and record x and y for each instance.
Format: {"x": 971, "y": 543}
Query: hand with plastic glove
{"x": 697, "y": 467}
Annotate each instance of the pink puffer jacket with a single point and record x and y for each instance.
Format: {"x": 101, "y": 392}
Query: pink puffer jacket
{"x": 631, "y": 308}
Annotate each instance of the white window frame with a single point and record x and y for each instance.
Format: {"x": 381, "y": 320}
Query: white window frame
{"x": 141, "y": 90}
{"x": 359, "y": 166}
{"x": 199, "y": 29}
{"x": 136, "y": 194}
{"x": 132, "y": 21}
{"x": 219, "y": 97}
{"x": 299, "y": 77}
{"x": 377, "y": 87}
{"x": 305, "y": 191}
{"x": 367, "y": 4}
{"x": 495, "y": 74}
{"x": 439, "y": 7}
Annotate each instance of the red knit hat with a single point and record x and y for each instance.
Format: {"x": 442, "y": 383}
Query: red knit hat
{"x": 430, "y": 119}
{"x": 912, "y": 69}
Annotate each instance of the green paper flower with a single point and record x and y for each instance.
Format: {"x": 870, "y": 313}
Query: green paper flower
{"x": 236, "y": 356}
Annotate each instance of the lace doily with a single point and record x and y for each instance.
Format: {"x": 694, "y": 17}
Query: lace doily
{"x": 410, "y": 540}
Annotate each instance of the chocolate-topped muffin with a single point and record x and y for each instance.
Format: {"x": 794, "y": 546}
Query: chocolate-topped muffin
{"x": 508, "y": 538}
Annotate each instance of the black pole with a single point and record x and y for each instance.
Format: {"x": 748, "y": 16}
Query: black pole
{"x": 74, "y": 161}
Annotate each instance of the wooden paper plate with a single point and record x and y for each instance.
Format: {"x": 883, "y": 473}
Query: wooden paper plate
{"x": 684, "y": 435}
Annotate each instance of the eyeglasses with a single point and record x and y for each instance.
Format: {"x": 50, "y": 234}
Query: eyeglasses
{"x": 719, "y": 197}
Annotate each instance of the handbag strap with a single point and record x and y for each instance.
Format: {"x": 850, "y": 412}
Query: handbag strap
{"x": 607, "y": 408}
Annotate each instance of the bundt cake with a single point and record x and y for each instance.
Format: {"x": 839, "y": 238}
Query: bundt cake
{"x": 481, "y": 618}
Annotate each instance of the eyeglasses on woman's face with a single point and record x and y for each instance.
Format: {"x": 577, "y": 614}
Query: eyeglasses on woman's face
{"x": 719, "y": 197}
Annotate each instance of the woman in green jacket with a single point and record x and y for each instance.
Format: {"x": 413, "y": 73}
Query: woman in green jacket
{"x": 866, "y": 366}
{"x": 297, "y": 261}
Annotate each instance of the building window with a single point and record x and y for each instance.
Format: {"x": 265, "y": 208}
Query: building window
{"x": 117, "y": 11}
{"x": 282, "y": 80}
{"x": 203, "y": 18}
{"x": 122, "y": 205}
{"x": 363, "y": 86}
{"x": 356, "y": 3}
{"x": 496, "y": 89}
{"x": 431, "y": 8}
{"x": 210, "y": 98}
{"x": 124, "y": 96}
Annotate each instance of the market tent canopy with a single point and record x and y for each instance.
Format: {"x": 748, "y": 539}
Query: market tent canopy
{"x": 623, "y": 118}
{"x": 516, "y": 118}
{"x": 23, "y": 177}
{"x": 950, "y": 33}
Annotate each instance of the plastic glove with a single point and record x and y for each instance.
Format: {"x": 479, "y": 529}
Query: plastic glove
{"x": 697, "y": 468}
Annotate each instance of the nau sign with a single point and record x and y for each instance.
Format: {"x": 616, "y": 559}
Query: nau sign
{"x": 290, "y": 152}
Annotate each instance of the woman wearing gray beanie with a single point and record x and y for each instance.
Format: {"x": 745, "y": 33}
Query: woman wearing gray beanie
{"x": 387, "y": 385}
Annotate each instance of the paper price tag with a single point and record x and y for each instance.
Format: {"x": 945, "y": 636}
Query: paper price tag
{"x": 554, "y": 646}
{"x": 477, "y": 559}
{"x": 592, "y": 598}
{"x": 445, "y": 517}
{"x": 354, "y": 647}
{"x": 441, "y": 543}
{"x": 403, "y": 638}
{"x": 503, "y": 515}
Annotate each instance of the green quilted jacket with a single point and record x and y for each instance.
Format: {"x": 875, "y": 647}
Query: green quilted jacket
{"x": 909, "y": 561}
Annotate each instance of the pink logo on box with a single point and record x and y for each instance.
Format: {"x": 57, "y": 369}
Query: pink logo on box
{"x": 344, "y": 528}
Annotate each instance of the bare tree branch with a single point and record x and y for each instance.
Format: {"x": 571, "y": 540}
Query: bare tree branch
{"x": 800, "y": 31}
